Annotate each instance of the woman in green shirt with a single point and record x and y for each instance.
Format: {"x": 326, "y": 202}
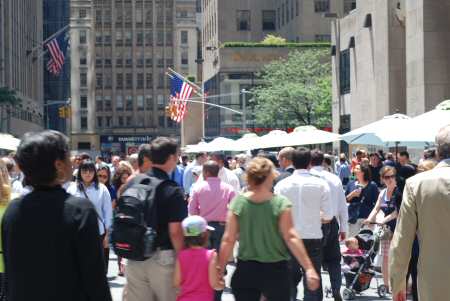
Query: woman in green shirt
{"x": 5, "y": 197}
{"x": 263, "y": 223}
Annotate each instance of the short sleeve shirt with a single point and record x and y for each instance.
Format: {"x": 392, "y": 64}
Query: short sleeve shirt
{"x": 259, "y": 236}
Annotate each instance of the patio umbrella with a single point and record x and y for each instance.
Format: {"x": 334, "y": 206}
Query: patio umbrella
{"x": 309, "y": 134}
{"x": 428, "y": 124}
{"x": 196, "y": 148}
{"x": 391, "y": 130}
{"x": 221, "y": 144}
{"x": 248, "y": 141}
{"x": 275, "y": 138}
{"x": 8, "y": 142}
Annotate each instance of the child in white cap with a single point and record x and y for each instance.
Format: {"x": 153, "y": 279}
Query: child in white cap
{"x": 195, "y": 269}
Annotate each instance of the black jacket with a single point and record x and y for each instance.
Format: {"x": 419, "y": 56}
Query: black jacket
{"x": 52, "y": 249}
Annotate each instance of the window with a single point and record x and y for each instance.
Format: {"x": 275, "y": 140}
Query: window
{"x": 278, "y": 17}
{"x": 169, "y": 39}
{"x": 148, "y": 16}
{"x": 160, "y": 62}
{"x": 98, "y": 16}
{"x": 108, "y": 121}
{"x": 140, "y": 63}
{"x": 140, "y": 38}
{"x": 84, "y": 145}
{"x": 148, "y": 62}
{"x": 243, "y": 20}
{"x": 83, "y": 60}
{"x": 98, "y": 103}
{"x": 169, "y": 63}
{"x": 107, "y": 38}
{"x": 297, "y": 8}
{"x": 184, "y": 37}
{"x": 129, "y": 63}
{"x": 129, "y": 81}
{"x": 321, "y": 6}
{"x": 107, "y": 102}
{"x": 98, "y": 38}
{"x": 128, "y": 38}
{"x": 268, "y": 19}
{"x": 149, "y": 102}
{"x": 184, "y": 58}
{"x": 119, "y": 81}
{"x": 138, "y": 15}
{"x": 99, "y": 80}
{"x": 292, "y": 9}
{"x": 107, "y": 16}
{"x": 128, "y": 121}
{"x": 161, "y": 121}
{"x": 119, "y": 102}
{"x": 83, "y": 102}
{"x": 128, "y": 15}
{"x": 107, "y": 63}
{"x": 120, "y": 121}
{"x": 108, "y": 80}
{"x": 149, "y": 38}
{"x": 129, "y": 103}
{"x": 148, "y": 80}
{"x": 119, "y": 38}
{"x": 83, "y": 79}
{"x": 83, "y": 37}
{"x": 160, "y": 38}
{"x": 119, "y": 62}
{"x": 182, "y": 14}
{"x": 282, "y": 14}
{"x": 82, "y": 13}
{"x": 160, "y": 100}
{"x": 287, "y": 11}
{"x": 140, "y": 81}
{"x": 83, "y": 123}
{"x": 140, "y": 102}
{"x": 99, "y": 122}
{"x": 161, "y": 80}
{"x": 344, "y": 71}
{"x": 140, "y": 120}
{"x": 98, "y": 63}
{"x": 323, "y": 38}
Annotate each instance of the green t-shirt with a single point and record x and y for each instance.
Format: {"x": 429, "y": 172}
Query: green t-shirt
{"x": 259, "y": 236}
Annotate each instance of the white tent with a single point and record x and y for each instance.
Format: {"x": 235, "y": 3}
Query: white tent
{"x": 221, "y": 144}
{"x": 427, "y": 125}
{"x": 248, "y": 141}
{"x": 275, "y": 138}
{"x": 8, "y": 142}
{"x": 304, "y": 135}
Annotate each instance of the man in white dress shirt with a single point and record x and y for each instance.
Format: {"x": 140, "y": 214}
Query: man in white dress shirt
{"x": 310, "y": 197}
{"x": 226, "y": 175}
{"x": 334, "y": 229}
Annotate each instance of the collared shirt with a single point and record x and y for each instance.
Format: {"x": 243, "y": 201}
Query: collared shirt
{"x": 177, "y": 175}
{"x": 342, "y": 170}
{"x": 230, "y": 178}
{"x": 310, "y": 196}
{"x": 100, "y": 198}
{"x": 188, "y": 177}
{"x": 337, "y": 196}
{"x": 210, "y": 199}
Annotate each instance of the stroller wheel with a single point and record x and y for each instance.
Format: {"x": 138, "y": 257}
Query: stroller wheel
{"x": 382, "y": 291}
{"x": 348, "y": 294}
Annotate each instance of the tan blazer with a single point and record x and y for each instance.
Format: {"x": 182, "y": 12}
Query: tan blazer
{"x": 425, "y": 210}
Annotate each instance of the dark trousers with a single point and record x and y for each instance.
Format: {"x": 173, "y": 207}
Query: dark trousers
{"x": 331, "y": 254}
{"x": 314, "y": 249}
{"x": 105, "y": 254}
{"x": 412, "y": 269}
{"x": 215, "y": 238}
{"x": 253, "y": 279}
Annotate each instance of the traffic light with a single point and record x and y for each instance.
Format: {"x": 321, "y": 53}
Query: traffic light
{"x": 62, "y": 112}
{"x": 171, "y": 110}
{"x": 168, "y": 111}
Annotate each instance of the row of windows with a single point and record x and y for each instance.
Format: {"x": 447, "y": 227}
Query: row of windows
{"x": 104, "y": 103}
{"x": 243, "y": 20}
{"x": 127, "y": 38}
{"x": 124, "y": 82}
{"x": 124, "y": 121}
{"x": 128, "y": 62}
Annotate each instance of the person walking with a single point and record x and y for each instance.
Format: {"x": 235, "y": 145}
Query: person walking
{"x": 226, "y": 175}
{"x": 88, "y": 186}
{"x": 65, "y": 261}
{"x": 335, "y": 229}
{"x": 425, "y": 210}
{"x": 342, "y": 169}
{"x": 196, "y": 267}
{"x": 310, "y": 196}
{"x": 152, "y": 279}
{"x": 188, "y": 177}
{"x": 285, "y": 161}
{"x": 263, "y": 223}
{"x": 5, "y": 197}
{"x": 210, "y": 200}
{"x": 387, "y": 202}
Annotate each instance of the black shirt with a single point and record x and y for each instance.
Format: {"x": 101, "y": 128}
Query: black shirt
{"x": 375, "y": 172}
{"x": 170, "y": 207}
{"x": 52, "y": 248}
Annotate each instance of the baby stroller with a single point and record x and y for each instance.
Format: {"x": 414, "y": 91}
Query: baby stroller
{"x": 358, "y": 280}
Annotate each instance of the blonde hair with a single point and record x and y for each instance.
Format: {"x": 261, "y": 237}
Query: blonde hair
{"x": 258, "y": 170}
{"x": 5, "y": 186}
{"x": 426, "y": 165}
{"x": 387, "y": 169}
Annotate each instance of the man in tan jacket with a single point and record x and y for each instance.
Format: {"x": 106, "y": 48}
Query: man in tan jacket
{"x": 425, "y": 211}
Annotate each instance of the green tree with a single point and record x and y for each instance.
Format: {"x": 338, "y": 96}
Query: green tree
{"x": 295, "y": 91}
{"x": 273, "y": 40}
{"x": 8, "y": 96}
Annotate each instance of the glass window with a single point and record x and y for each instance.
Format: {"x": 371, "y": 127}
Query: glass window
{"x": 129, "y": 103}
{"x": 108, "y": 80}
{"x": 82, "y": 13}
{"x": 292, "y": 9}
{"x": 160, "y": 100}
{"x": 149, "y": 102}
{"x": 160, "y": 62}
{"x": 108, "y": 121}
{"x": 83, "y": 102}
{"x": 129, "y": 81}
{"x": 148, "y": 16}
{"x": 119, "y": 62}
{"x": 161, "y": 80}
{"x": 98, "y": 37}
{"x": 268, "y": 20}
{"x": 119, "y": 81}
{"x": 129, "y": 63}
{"x": 148, "y": 80}
{"x": 107, "y": 38}
{"x": 148, "y": 62}
{"x": 344, "y": 71}
{"x": 83, "y": 60}
{"x": 83, "y": 79}
{"x": 128, "y": 121}
{"x": 108, "y": 63}
{"x": 140, "y": 38}
{"x": 107, "y": 16}
{"x": 140, "y": 81}
{"x": 99, "y": 122}
{"x": 107, "y": 102}
{"x": 148, "y": 38}
{"x": 282, "y": 14}
{"x": 184, "y": 58}
{"x": 119, "y": 38}
{"x": 140, "y": 102}
{"x": 322, "y": 38}
{"x": 287, "y": 11}
{"x": 139, "y": 16}
{"x": 98, "y": 16}
{"x": 140, "y": 63}
{"x": 184, "y": 37}
{"x": 83, "y": 37}
{"x": 128, "y": 15}
{"x": 98, "y": 103}
{"x": 160, "y": 38}
{"x": 120, "y": 121}
{"x": 119, "y": 102}
{"x": 83, "y": 123}
{"x": 297, "y": 8}
{"x": 321, "y": 6}
{"x": 169, "y": 39}
{"x": 128, "y": 38}
{"x": 140, "y": 120}
{"x": 161, "y": 121}
{"x": 99, "y": 80}
{"x": 243, "y": 20}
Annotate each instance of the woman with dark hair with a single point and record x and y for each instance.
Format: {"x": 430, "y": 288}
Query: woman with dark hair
{"x": 50, "y": 232}
{"x": 104, "y": 177}
{"x": 362, "y": 194}
{"x": 87, "y": 186}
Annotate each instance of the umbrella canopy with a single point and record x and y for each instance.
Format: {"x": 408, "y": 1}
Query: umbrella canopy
{"x": 392, "y": 130}
{"x": 428, "y": 124}
{"x": 275, "y": 138}
{"x": 196, "y": 148}
{"x": 248, "y": 141}
{"x": 309, "y": 134}
{"x": 221, "y": 144}
{"x": 8, "y": 142}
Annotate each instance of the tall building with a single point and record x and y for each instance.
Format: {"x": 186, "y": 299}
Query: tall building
{"x": 56, "y": 88}
{"x": 120, "y": 52}
{"x": 229, "y": 71}
{"x": 20, "y": 69}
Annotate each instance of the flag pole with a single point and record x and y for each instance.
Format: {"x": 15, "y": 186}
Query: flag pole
{"x": 57, "y": 33}
{"x": 198, "y": 90}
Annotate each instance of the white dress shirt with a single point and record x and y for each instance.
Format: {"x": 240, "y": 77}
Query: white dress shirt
{"x": 337, "y": 196}
{"x": 188, "y": 176}
{"x": 101, "y": 200}
{"x": 230, "y": 177}
{"x": 310, "y": 196}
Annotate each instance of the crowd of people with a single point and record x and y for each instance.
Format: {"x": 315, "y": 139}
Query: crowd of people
{"x": 280, "y": 218}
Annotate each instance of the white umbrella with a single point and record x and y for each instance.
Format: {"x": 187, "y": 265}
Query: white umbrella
{"x": 8, "y": 142}
{"x": 221, "y": 144}
{"x": 248, "y": 141}
{"x": 309, "y": 134}
{"x": 427, "y": 125}
{"x": 196, "y": 148}
{"x": 392, "y": 130}
{"x": 275, "y": 138}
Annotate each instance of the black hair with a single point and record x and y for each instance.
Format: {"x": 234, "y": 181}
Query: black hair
{"x": 144, "y": 152}
{"x": 317, "y": 157}
{"x": 87, "y": 165}
{"x": 198, "y": 155}
{"x": 197, "y": 241}
{"x": 37, "y": 153}
{"x": 219, "y": 156}
{"x": 301, "y": 158}
{"x": 270, "y": 157}
{"x": 404, "y": 154}
{"x": 367, "y": 174}
{"x": 161, "y": 149}
{"x": 327, "y": 160}
{"x": 108, "y": 172}
{"x": 84, "y": 156}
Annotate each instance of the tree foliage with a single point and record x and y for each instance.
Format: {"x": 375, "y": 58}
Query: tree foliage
{"x": 295, "y": 91}
{"x": 8, "y": 96}
{"x": 273, "y": 40}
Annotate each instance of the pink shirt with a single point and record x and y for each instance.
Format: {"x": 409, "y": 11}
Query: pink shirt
{"x": 194, "y": 266}
{"x": 210, "y": 199}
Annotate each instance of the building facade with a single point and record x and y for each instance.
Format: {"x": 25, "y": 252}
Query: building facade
{"x": 388, "y": 57}
{"x": 120, "y": 53}
{"x": 20, "y": 67}
{"x": 56, "y": 88}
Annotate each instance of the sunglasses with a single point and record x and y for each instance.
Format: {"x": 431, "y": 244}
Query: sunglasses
{"x": 102, "y": 176}
{"x": 389, "y": 177}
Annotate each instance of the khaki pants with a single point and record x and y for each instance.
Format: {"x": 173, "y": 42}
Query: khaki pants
{"x": 152, "y": 279}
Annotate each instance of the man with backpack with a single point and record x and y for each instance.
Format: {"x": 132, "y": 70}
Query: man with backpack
{"x": 149, "y": 275}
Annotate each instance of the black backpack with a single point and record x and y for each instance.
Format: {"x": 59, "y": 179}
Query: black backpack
{"x": 133, "y": 232}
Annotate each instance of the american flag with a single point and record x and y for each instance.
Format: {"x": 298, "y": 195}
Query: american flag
{"x": 56, "y": 49}
{"x": 180, "y": 91}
